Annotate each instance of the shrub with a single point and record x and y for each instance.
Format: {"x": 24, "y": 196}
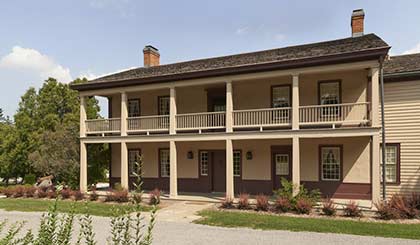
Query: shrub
{"x": 262, "y": 202}
{"x": 227, "y": 203}
{"x": 121, "y": 196}
{"x": 414, "y": 200}
{"x": 303, "y": 206}
{"x": 41, "y": 193}
{"x": 118, "y": 187}
{"x": 282, "y": 204}
{"x": 386, "y": 211}
{"x": 288, "y": 189}
{"x": 154, "y": 197}
{"x": 30, "y": 179}
{"x": 66, "y": 193}
{"x": 137, "y": 197}
{"x": 18, "y": 191}
{"x": 93, "y": 195}
{"x": 30, "y": 191}
{"x": 328, "y": 207}
{"x": 8, "y": 192}
{"x": 243, "y": 202}
{"x": 352, "y": 209}
{"x": 78, "y": 195}
{"x": 403, "y": 207}
{"x": 51, "y": 194}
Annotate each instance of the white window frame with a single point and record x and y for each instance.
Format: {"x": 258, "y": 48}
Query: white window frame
{"x": 204, "y": 163}
{"x": 389, "y": 164}
{"x": 288, "y": 164}
{"x": 164, "y": 163}
{"x": 338, "y": 162}
{"x": 237, "y": 163}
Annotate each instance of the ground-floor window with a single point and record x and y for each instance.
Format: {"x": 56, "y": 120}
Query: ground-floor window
{"x": 237, "y": 163}
{"x": 392, "y": 163}
{"x": 204, "y": 163}
{"x": 331, "y": 163}
{"x": 133, "y": 157}
{"x": 164, "y": 162}
{"x": 282, "y": 164}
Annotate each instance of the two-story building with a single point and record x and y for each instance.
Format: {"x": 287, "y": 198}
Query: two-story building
{"x": 239, "y": 123}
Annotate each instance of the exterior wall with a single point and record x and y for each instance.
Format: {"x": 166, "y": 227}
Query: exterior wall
{"x": 402, "y": 123}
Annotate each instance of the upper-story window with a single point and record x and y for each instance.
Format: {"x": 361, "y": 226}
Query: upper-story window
{"x": 163, "y": 107}
{"x": 134, "y": 108}
{"x": 280, "y": 96}
{"x": 329, "y": 93}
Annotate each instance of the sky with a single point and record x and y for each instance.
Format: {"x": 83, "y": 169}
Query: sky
{"x": 90, "y": 38}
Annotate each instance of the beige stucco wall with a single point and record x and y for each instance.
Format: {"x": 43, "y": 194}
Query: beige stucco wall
{"x": 356, "y": 158}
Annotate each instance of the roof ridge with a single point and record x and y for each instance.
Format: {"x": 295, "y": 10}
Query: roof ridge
{"x": 399, "y": 55}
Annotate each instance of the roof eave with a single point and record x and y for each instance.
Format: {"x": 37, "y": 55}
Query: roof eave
{"x": 402, "y": 76}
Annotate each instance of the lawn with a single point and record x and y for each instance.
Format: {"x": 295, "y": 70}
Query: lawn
{"x": 38, "y": 205}
{"x": 273, "y": 222}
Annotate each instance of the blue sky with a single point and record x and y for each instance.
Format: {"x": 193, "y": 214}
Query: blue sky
{"x": 68, "y": 39}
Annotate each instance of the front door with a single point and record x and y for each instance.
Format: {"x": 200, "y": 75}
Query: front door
{"x": 219, "y": 171}
{"x": 281, "y": 164}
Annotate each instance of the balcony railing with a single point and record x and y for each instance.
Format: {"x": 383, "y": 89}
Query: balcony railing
{"x": 262, "y": 117}
{"x": 148, "y": 123}
{"x": 205, "y": 120}
{"x": 350, "y": 113}
{"x": 111, "y": 125}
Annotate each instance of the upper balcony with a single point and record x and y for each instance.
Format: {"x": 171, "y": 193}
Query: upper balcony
{"x": 299, "y": 101}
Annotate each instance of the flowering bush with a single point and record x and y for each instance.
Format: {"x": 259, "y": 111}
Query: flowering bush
{"x": 303, "y": 206}
{"x": 78, "y": 195}
{"x": 328, "y": 207}
{"x": 154, "y": 197}
{"x": 262, "y": 202}
{"x": 282, "y": 204}
{"x": 243, "y": 202}
{"x": 352, "y": 209}
{"x": 66, "y": 193}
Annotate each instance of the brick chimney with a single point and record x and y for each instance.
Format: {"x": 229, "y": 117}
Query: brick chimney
{"x": 357, "y": 23}
{"x": 151, "y": 56}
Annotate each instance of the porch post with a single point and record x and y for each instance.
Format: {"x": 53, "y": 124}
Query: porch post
{"x": 172, "y": 111}
{"x": 229, "y": 169}
{"x": 83, "y": 167}
{"x": 296, "y": 163}
{"x": 229, "y": 107}
{"x": 295, "y": 102}
{"x": 374, "y": 112}
{"x": 173, "y": 175}
{"x": 124, "y": 114}
{"x": 83, "y": 116}
{"x": 124, "y": 166}
{"x": 376, "y": 179}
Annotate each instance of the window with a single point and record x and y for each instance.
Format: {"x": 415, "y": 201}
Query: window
{"x": 164, "y": 162}
{"x": 134, "y": 108}
{"x": 204, "y": 163}
{"x": 329, "y": 93}
{"x": 133, "y": 157}
{"x": 237, "y": 163}
{"x": 331, "y": 163}
{"x": 163, "y": 105}
{"x": 392, "y": 163}
{"x": 280, "y": 96}
{"x": 282, "y": 164}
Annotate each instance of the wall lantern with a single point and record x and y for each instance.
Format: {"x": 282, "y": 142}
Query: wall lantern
{"x": 249, "y": 155}
{"x": 190, "y": 155}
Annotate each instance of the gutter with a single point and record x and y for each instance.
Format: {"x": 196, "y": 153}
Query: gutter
{"x": 381, "y": 70}
{"x": 402, "y": 76}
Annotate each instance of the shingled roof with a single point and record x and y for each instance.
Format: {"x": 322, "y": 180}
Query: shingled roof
{"x": 402, "y": 68}
{"x": 342, "y": 50}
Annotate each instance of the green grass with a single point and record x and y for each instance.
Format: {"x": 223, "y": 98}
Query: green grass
{"x": 272, "y": 222}
{"x": 41, "y": 205}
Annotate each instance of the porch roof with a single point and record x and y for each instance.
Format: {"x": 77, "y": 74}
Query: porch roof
{"x": 365, "y": 47}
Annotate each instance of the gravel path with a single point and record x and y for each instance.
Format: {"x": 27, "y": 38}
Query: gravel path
{"x": 185, "y": 233}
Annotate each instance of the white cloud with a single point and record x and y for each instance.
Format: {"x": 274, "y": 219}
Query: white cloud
{"x": 415, "y": 49}
{"x": 90, "y": 75}
{"x": 23, "y": 59}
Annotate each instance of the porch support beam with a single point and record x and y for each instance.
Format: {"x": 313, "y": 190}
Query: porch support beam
{"x": 173, "y": 174}
{"x": 83, "y": 116}
{"x": 296, "y": 164}
{"x": 374, "y": 112}
{"x": 229, "y": 107}
{"x": 124, "y": 114}
{"x": 124, "y": 166}
{"x": 229, "y": 170}
{"x": 172, "y": 111}
{"x": 376, "y": 179}
{"x": 83, "y": 167}
{"x": 295, "y": 102}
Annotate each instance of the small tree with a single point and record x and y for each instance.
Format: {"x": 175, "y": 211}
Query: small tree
{"x": 138, "y": 183}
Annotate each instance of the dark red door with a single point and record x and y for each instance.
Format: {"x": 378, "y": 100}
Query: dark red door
{"x": 219, "y": 171}
{"x": 281, "y": 164}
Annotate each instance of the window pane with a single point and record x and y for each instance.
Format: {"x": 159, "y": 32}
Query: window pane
{"x": 282, "y": 164}
{"x": 331, "y": 163}
{"x": 133, "y": 108}
{"x": 281, "y": 96}
{"x": 237, "y": 163}
{"x": 164, "y": 105}
{"x": 132, "y": 158}
{"x": 164, "y": 163}
{"x": 391, "y": 163}
{"x": 204, "y": 163}
{"x": 329, "y": 93}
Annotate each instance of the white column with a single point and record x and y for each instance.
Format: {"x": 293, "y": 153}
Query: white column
{"x": 295, "y": 102}
{"x": 83, "y": 167}
{"x": 229, "y": 107}
{"x": 124, "y": 166}
{"x": 124, "y": 114}
{"x": 229, "y": 170}
{"x": 172, "y": 111}
{"x": 376, "y": 173}
{"x": 296, "y": 163}
{"x": 374, "y": 113}
{"x": 83, "y": 116}
{"x": 173, "y": 174}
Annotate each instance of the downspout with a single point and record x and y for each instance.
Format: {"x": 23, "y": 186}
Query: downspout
{"x": 381, "y": 74}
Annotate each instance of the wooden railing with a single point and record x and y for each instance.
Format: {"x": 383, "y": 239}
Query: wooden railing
{"x": 148, "y": 123}
{"x": 262, "y": 117}
{"x": 350, "y": 113}
{"x": 111, "y": 125}
{"x": 205, "y": 120}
